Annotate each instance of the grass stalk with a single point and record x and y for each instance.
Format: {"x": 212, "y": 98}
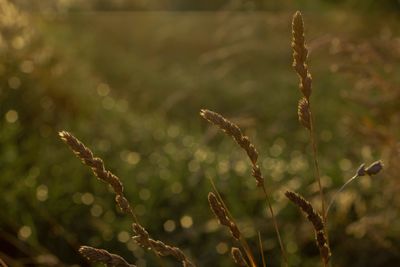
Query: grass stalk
{"x": 261, "y": 249}
{"x": 242, "y": 240}
{"x": 373, "y": 169}
{"x": 244, "y": 142}
{"x": 317, "y": 174}
{"x": 317, "y": 222}
{"x": 103, "y": 256}
{"x": 276, "y": 226}
{"x": 142, "y": 237}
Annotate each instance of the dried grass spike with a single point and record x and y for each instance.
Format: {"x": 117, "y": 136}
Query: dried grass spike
{"x": 222, "y": 215}
{"x": 96, "y": 164}
{"x": 303, "y": 112}
{"x": 143, "y": 239}
{"x": 238, "y": 257}
{"x": 232, "y": 130}
{"x": 316, "y": 220}
{"x": 103, "y": 256}
{"x": 98, "y": 168}
{"x": 300, "y": 54}
{"x": 307, "y": 208}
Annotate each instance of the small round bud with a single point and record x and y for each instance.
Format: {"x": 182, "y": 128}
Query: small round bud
{"x": 361, "y": 170}
{"x": 374, "y": 168}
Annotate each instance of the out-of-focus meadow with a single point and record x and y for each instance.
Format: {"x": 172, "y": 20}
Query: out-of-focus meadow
{"x": 129, "y": 79}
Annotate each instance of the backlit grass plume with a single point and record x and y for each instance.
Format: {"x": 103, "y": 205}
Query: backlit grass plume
{"x": 244, "y": 142}
{"x": 143, "y": 239}
{"x": 316, "y": 220}
{"x": 243, "y": 256}
{"x": 222, "y": 215}
{"x": 98, "y": 168}
{"x": 103, "y": 256}
{"x": 300, "y": 55}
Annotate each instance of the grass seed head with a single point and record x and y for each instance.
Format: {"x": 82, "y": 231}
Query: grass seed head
{"x": 300, "y": 54}
{"x": 303, "y": 112}
{"x": 103, "y": 256}
{"x": 316, "y": 220}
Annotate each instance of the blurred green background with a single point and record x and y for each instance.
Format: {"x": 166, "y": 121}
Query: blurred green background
{"x": 128, "y": 78}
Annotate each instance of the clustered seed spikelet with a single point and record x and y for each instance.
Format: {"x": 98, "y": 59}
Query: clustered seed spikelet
{"x": 222, "y": 215}
{"x": 143, "y": 239}
{"x": 103, "y": 256}
{"x": 238, "y": 257}
{"x": 300, "y": 54}
{"x": 98, "y": 168}
{"x": 242, "y": 140}
{"x": 303, "y": 112}
{"x": 316, "y": 220}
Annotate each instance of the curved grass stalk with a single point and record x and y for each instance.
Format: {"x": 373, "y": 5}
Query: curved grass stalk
{"x": 242, "y": 240}
{"x": 261, "y": 249}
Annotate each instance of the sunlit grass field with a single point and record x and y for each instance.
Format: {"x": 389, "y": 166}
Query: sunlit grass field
{"x": 131, "y": 85}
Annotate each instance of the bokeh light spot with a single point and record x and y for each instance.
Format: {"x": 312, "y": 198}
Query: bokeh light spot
{"x": 223, "y": 167}
{"x": 133, "y": 158}
{"x": 241, "y": 167}
{"x": 144, "y": 194}
{"x": 14, "y": 82}
{"x": 87, "y": 198}
{"x": 186, "y": 221}
{"x": 221, "y": 248}
{"x": 42, "y": 192}
{"x": 169, "y": 226}
{"x": 103, "y": 89}
{"x": 24, "y": 232}
{"x": 96, "y": 210}
{"x": 11, "y": 116}
{"x": 26, "y": 66}
{"x": 176, "y": 187}
{"x": 18, "y": 42}
{"x": 123, "y": 236}
{"x": 212, "y": 225}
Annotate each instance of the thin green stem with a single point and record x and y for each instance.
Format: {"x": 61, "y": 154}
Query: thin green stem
{"x": 338, "y": 191}
{"x": 318, "y": 175}
{"x": 271, "y": 210}
{"x": 316, "y": 164}
{"x": 261, "y": 249}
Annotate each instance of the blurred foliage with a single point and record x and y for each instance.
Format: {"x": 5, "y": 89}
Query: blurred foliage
{"x": 374, "y": 70}
{"x": 207, "y": 5}
{"x": 130, "y": 87}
